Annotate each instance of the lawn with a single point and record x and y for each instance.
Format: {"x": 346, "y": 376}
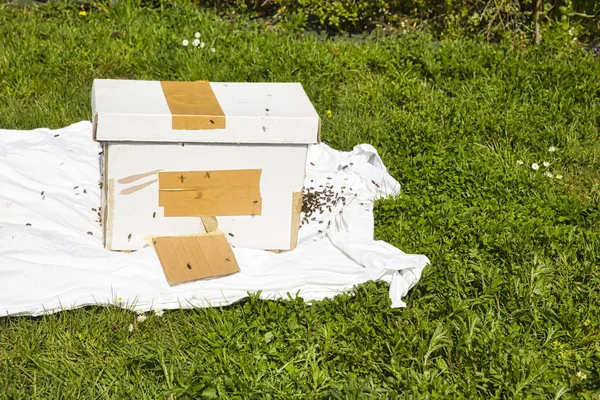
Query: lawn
{"x": 508, "y": 308}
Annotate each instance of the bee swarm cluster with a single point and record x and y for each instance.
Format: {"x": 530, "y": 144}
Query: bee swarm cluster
{"x": 318, "y": 200}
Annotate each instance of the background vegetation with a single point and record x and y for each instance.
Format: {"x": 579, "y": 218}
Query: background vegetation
{"x": 488, "y": 19}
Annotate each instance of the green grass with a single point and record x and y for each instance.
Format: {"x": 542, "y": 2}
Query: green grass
{"x": 508, "y": 308}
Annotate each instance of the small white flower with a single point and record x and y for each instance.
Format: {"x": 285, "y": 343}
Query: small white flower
{"x": 119, "y": 299}
{"x": 549, "y": 175}
{"x": 195, "y": 42}
{"x": 581, "y": 375}
{"x": 402, "y": 24}
{"x": 520, "y": 162}
{"x": 558, "y": 176}
{"x": 212, "y": 49}
{"x": 570, "y": 32}
{"x": 546, "y": 164}
{"x": 197, "y": 35}
{"x": 185, "y": 42}
{"x": 551, "y": 149}
{"x": 202, "y": 44}
{"x": 535, "y": 167}
{"x": 159, "y": 312}
{"x": 141, "y": 318}
{"x": 130, "y": 328}
{"x": 141, "y": 311}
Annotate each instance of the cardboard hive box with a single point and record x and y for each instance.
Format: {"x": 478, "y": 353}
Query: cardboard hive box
{"x": 181, "y": 155}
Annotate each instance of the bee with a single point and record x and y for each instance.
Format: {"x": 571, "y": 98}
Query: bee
{"x": 207, "y": 174}
{"x": 231, "y": 234}
{"x": 84, "y": 190}
{"x": 57, "y": 135}
{"x": 129, "y": 237}
{"x": 227, "y": 259}
{"x": 75, "y": 187}
{"x": 267, "y": 110}
{"x": 182, "y": 144}
{"x": 154, "y": 214}
{"x": 189, "y": 266}
{"x": 320, "y": 231}
{"x": 93, "y": 209}
{"x": 344, "y": 167}
{"x": 211, "y": 121}
{"x": 312, "y": 163}
{"x": 264, "y": 128}
{"x": 255, "y": 201}
{"x": 28, "y": 224}
{"x": 375, "y": 183}
{"x": 90, "y": 233}
{"x": 41, "y": 194}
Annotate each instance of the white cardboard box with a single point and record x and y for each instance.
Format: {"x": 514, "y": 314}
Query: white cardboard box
{"x": 176, "y": 154}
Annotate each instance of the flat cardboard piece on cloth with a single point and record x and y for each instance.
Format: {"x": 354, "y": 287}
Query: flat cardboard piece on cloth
{"x": 194, "y": 257}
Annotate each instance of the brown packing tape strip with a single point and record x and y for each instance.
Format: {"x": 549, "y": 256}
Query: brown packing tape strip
{"x": 210, "y": 193}
{"x": 193, "y": 105}
{"x": 210, "y": 224}
{"x": 177, "y": 180}
{"x": 202, "y": 208}
{"x": 296, "y": 211}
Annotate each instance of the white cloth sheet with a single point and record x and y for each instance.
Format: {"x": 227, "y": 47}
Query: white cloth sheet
{"x": 49, "y": 262}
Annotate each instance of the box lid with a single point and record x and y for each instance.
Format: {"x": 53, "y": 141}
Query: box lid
{"x": 203, "y": 112}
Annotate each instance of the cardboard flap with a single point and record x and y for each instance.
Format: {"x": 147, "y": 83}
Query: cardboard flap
{"x": 192, "y": 257}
